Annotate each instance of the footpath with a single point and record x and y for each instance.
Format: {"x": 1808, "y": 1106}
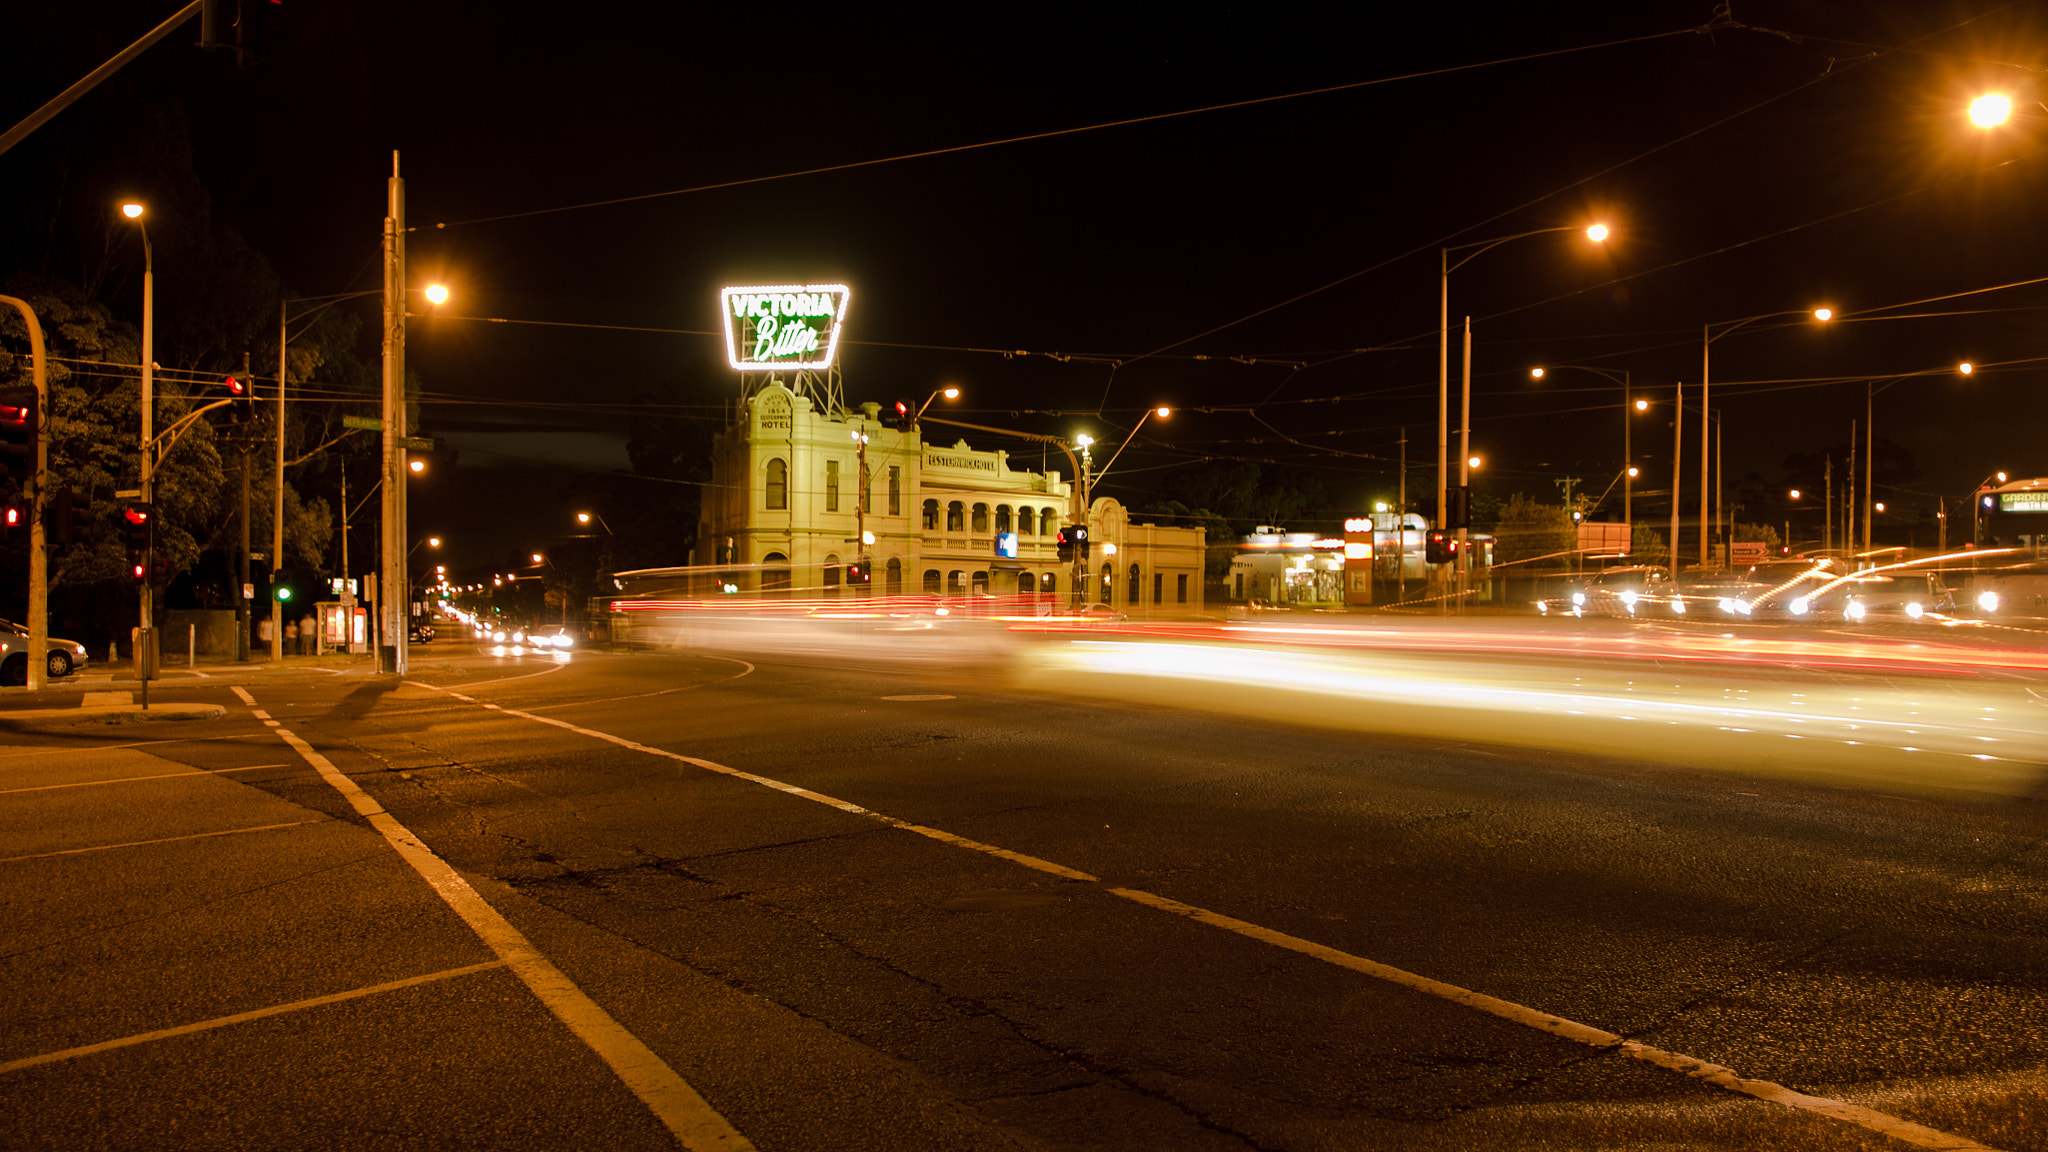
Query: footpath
{"x": 104, "y": 694}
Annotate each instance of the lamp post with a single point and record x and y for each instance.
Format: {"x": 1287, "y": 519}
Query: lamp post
{"x": 1977, "y": 498}
{"x": 1708, "y": 335}
{"x": 1870, "y": 390}
{"x": 949, "y": 392}
{"x": 144, "y": 637}
{"x": 1629, "y": 406}
{"x": 1596, "y": 233}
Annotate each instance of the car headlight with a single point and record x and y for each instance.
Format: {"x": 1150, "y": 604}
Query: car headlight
{"x": 497, "y": 637}
{"x": 1629, "y": 598}
{"x": 1677, "y": 607}
{"x": 1988, "y": 601}
{"x": 1914, "y": 610}
{"x": 1799, "y": 606}
{"x": 1743, "y": 607}
{"x": 563, "y": 640}
{"x": 519, "y": 637}
{"x": 1542, "y": 609}
{"x": 1578, "y": 598}
{"x": 80, "y": 647}
{"x": 1854, "y": 611}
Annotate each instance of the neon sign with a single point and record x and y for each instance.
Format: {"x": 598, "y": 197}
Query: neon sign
{"x": 2022, "y": 502}
{"x": 782, "y": 326}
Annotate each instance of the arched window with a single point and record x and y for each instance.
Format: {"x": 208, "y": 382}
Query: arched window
{"x": 1025, "y": 583}
{"x": 1108, "y": 580}
{"x": 892, "y": 577}
{"x": 980, "y": 519}
{"x": 1002, "y": 519}
{"x": 956, "y": 517}
{"x": 931, "y": 515}
{"x": 1137, "y": 593}
{"x": 778, "y": 484}
{"x": 931, "y": 581}
{"x": 979, "y": 583}
{"x": 1048, "y": 583}
{"x": 953, "y": 585}
{"x": 775, "y": 572}
{"x": 1048, "y": 522}
{"x": 832, "y": 574}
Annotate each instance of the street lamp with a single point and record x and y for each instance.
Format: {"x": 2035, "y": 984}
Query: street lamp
{"x": 417, "y": 466}
{"x": 585, "y": 518}
{"x": 1597, "y": 233}
{"x": 1621, "y": 377}
{"x": 1989, "y": 111}
{"x": 1162, "y": 412}
{"x": 949, "y": 392}
{"x": 1710, "y": 332}
{"x": 145, "y": 638}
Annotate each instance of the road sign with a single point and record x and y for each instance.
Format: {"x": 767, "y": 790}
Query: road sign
{"x": 416, "y": 443}
{"x": 362, "y": 423}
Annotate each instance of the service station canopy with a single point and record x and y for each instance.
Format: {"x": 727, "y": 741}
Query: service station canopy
{"x": 782, "y": 326}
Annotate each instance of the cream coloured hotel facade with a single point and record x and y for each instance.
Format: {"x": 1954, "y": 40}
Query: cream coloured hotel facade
{"x": 783, "y": 511}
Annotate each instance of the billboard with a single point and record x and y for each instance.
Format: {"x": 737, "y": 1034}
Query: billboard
{"x": 782, "y": 325}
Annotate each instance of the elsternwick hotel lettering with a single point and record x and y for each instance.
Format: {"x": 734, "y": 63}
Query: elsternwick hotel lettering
{"x": 934, "y": 460}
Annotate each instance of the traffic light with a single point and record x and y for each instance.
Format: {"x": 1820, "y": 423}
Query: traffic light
{"x": 1440, "y": 547}
{"x": 906, "y": 416}
{"x": 1073, "y": 542}
{"x": 858, "y": 572}
{"x": 68, "y": 523}
{"x": 239, "y": 389}
{"x": 1458, "y": 507}
{"x": 11, "y": 517}
{"x": 18, "y": 426}
{"x": 138, "y": 531}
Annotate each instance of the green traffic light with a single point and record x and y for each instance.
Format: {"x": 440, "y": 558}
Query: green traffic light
{"x": 284, "y": 594}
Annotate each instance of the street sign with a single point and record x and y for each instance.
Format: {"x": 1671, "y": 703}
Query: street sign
{"x": 128, "y": 494}
{"x": 248, "y": 591}
{"x": 416, "y": 443}
{"x": 362, "y": 423}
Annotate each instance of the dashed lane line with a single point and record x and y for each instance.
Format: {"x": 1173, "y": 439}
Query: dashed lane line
{"x": 243, "y": 1017}
{"x": 165, "y": 840}
{"x": 1906, "y": 1131}
{"x": 678, "y": 1106}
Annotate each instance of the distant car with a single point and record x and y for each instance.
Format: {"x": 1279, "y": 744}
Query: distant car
{"x": 1878, "y": 595}
{"x": 422, "y": 632}
{"x": 551, "y": 636}
{"x": 65, "y": 656}
{"x": 1631, "y": 593}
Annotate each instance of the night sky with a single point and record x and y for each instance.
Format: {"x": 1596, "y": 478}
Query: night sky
{"x": 1801, "y": 154}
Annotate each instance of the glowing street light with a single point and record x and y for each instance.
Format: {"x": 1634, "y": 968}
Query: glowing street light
{"x": 1795, "y": 494}
{"x": 539, "y": 559}
{"x": 433, "y": 542}
{"x": 132, "y": 211}
{"x": 437, "y": 293}
{"x": 1823, "y": 314}
{"x": 1989, "y": 111}
{"x": 1642, "y": 405}
{"x": 1597, "y": 233}
{"x": 1966, "y": 368}
{"x": 1472, "y": 462}
{"x": 417, "y": 466}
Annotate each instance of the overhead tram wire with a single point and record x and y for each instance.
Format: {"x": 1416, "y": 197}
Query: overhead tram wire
{"x": 1058, "y": 132}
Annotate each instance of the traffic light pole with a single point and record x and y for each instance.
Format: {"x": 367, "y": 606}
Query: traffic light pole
{"x": 393, "y": 592}
{"x": 277, "y": 502}
{"x": 144, "y": 637}
{"x": 38, "y": 544}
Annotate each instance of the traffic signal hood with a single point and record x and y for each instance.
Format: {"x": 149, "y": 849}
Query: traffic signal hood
{"x": 858, "y": 572}
{"x": 18, "y": 428}
{"x": 1073, "y": 542}
{"x": 1440, "y": 547}
{"x": 906, "y": 416}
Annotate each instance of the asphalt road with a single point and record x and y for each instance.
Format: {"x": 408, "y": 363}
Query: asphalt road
{"x": 631, "y": 900}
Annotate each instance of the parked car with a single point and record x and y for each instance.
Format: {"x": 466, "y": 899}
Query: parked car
{"x": 65, "y": 656}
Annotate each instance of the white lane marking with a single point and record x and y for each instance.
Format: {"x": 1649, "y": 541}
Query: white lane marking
{"x": 243, "y": 1017}
{"x": 749, "y": 671}
{"x": 1715, "y": 1074}
{"x": 522, "y": 676}
{"x": 915, "y": 698}
{"x": 70, "y": 750}
{"x": 165, "y": 840}
{"x": 243, "y": 693}
{"x": 677, "y": 1105}
{"x": 133, "y": 779}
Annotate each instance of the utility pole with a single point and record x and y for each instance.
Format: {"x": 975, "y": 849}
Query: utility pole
{"x": 1401, "y": 527}
{"x": 1869, "y": 462}
{"x": 394, "y": 595}
{"x": 242, "y": 570}
{"x": 38, "y": 499}
{"x": 145, "y": 638}
{"x": 1849, "y": 496}
{"x": 1464, "y": 565}
{"x": 1827, "y": 538}
{"x": 1677, "y": 469}
{"x": 277, "y": 504}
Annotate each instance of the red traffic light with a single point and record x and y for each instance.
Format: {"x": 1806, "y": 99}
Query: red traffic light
{"x": 12, "y": 516}
{"x": 135, "y": 515}
{"x": 236, "y": 386}
{"x": 13, "y": 414}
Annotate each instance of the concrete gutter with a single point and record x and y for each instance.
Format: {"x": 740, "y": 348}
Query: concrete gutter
{"x": 31, "y": 719}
